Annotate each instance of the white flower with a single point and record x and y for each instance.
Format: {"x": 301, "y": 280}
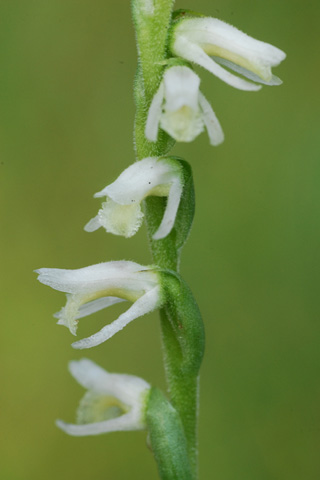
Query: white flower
{"x": 113, "y": 402}
{"x": 92, "y": 288}
{"x": 198, "y": 39}
{"x": 180, "y": 109}
{"x": 121, "y": 214}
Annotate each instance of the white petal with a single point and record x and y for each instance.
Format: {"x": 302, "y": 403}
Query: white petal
{"x": 145, "y": 304}
{"x": 96, "y": 305}
{"x": 138, "y": 180}
{"x": 120, "y": 219}
{"x": 194, "y": 53}
{"x": 100, "y": 194}
{"x": 88, "y": 374}
{"x": 95, "y": 407}
{"x": 123, "y": 423}
{"x": 153, "y": 119}
{"x": 181, "y": 88}
{"x": 68, "y": 314}
{"x": 170, "y": 213}
{"x": 121, "y": 214}
{"x": 93, "y": 224}
{"x": 81, "y": 311}
{"x": 105, "y": 391}
{"x": 184, "y": 125}
{"x": 247, "y": 73}
{"x": 181, "y": 117}
{"x": 212, "y": 124}
{"x": 123, "y": 275}
{"x": 226, "y": 41}
{"x": 127, "y": 388}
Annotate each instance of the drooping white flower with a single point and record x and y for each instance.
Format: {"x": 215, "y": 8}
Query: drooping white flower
{"x": 180, "y": 109}
{"x": 92, "y": 288}
{"x": 112, "y": 403}
{"x": 209, "y": 42}
{"x": 121, "y": 214}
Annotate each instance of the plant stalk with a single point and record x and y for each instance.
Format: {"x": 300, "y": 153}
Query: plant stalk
{"x": 151, "y": 33}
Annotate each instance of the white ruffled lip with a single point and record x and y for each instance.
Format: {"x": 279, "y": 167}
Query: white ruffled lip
{"x": 199, "y": 39}
{"x": 99, "y": 286}
{"x": 127, "y": 389}
{"x": 116, "y": 218}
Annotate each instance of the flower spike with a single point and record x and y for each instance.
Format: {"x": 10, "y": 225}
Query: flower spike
{"x": 121, "y": 214}
{"x": 92, "y": 288}
{"x": 210, "y": 42}
{"x": 180, "y": 109}
{"x": 112, "y": 403}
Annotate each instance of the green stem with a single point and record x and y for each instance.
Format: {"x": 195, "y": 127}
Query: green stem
{"x": 151, "y": 31}
{"x": 183, "y": 339}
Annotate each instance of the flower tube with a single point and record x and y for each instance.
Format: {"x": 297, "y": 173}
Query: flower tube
{"x": 180, "y": 109}
{"x": 210, "y": 43}
{"x": 112, "y": 403}
{"x": 92, "y": 288}
{"x": 121, "y": 214}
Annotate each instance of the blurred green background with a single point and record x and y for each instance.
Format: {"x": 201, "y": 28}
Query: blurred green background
{"x": 252, "y": 260}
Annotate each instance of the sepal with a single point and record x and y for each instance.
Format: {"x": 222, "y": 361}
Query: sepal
{"x": 180, "y": 109}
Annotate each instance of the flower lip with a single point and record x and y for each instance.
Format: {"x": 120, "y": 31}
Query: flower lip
{"x": 198, "y": 39}
{"x": 129, "y": 394}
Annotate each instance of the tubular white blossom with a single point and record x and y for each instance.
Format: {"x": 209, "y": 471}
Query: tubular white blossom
{"x": 113, "y": 402}
{"x": 92, "y": 288}
{"x": 121, "y": 214}
{"x": 209, "y": 42}
{"x": 177, "y": 108}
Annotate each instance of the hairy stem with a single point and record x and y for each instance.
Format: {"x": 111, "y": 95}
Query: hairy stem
{"x": 152, "y": 19}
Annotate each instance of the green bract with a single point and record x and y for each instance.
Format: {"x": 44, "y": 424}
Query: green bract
{"x": 167, "y": 438}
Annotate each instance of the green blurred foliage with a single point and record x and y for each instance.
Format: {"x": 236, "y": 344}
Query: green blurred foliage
{"x": 252, "y": 259}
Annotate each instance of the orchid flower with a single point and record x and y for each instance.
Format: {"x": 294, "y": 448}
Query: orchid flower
{"x": 112, "y": 403}
{"x": 121, "y": 214}
{"x": 209, "y": 42}
{"x": 96, "y": 287}
{"x": 180, "y": 109}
